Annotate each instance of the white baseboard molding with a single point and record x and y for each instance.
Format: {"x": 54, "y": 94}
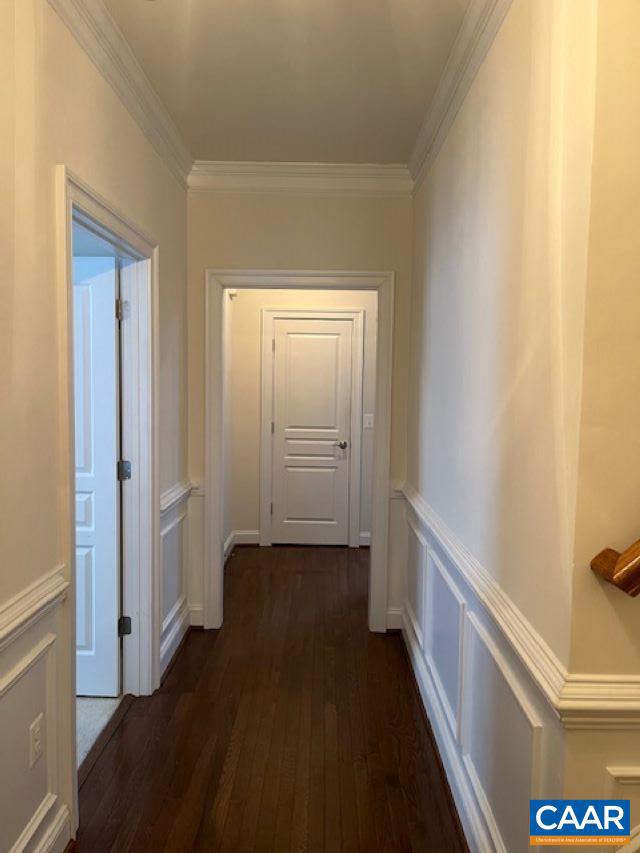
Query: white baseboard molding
{"x": 394, "y": 618}
{"x": 240, "y": 537}
{"x": 174, "y": 628}
{"x": 196, "y": 615}
{"x": 365, "y": 539}
{"x": 475, "y": 830}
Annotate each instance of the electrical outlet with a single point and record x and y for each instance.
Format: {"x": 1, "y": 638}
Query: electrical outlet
{"x": 36, "y": 739}
{"x": 367, "y": 422}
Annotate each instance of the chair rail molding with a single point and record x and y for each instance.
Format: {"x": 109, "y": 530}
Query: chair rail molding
{"x": 100, "y": 37}
{"x": 477, "y": 33}
{"x": 580, "y": 700}
{"x": 355, "y": 179}
{"x": 28, "y": 606}
{"x": 175, "y": 495}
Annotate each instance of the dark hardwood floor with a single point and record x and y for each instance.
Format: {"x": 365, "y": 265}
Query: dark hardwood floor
{"x": 292, "y": 728}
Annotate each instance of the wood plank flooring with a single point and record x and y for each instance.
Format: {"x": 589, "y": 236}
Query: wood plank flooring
{"x": 291, "y": 728}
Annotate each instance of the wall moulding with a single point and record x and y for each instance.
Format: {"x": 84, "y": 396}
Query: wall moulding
{"x": 580, "y": 700}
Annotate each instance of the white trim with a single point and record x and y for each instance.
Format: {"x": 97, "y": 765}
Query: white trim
{"x": 34, "y": 824}
{"x": 174, "y": 628}
{"x": 394, "y": 618}
{"x": 24, "y": 665}
{"x": 581, "y": 700}
{"x": 174, "y": 496}
{"x": 58, "y": 835}
{"x": 240, "y": 537}
{"x": 98, "y": 34}
{"x": 539, "y": 659}
{"x": 28, "y": 606}
{"x": 196, "y": 617}
{"x": 471, "y": 816}
{"x": 141, "y": 501}
{"x": 475, "y": 37}
{"x": 345, "y": 179}
{"x": 215, "y": 283}
{"x": 365, "y": 539}
{"x": 267, "y": 332}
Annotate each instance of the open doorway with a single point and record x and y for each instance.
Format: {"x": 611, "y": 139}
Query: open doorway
{"x": 98, "y": 312}
{"x": 311, "y": 427}
{"x": 299, "y": 417}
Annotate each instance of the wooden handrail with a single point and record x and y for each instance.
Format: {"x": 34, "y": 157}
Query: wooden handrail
{"x": 621, "y": 570}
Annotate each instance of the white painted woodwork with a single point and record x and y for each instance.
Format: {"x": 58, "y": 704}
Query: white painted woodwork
{"x": 311, "y": 414}
{"x": 97, "y": 489}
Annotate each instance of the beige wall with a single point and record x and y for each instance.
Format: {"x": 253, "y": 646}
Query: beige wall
{"x": 242, "y": 500}
{"x": 57, "y": 107}
{"x": 605, "y": 635}
{"x": 500, "y": 229}
{"x": 296, "y": 232}
{"x": 61, "y": 111}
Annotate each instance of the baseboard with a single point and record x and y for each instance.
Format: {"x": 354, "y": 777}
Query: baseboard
{"x": 173, "y": 630}
{"x": 240, "y": 537}
{"x": 394, "y": 619}
{"x": 365, "y": 540}
{"x": 196, "y": 615}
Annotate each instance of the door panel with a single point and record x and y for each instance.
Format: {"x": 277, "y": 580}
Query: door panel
{"x": 97, "y": 488}
{"x": 312, "y": 413}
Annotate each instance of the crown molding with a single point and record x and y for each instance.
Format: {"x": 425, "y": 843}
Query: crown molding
{"x": 477, "y": 32}
{"x": 98, "y": 34}
{"x": 345, "y": 179}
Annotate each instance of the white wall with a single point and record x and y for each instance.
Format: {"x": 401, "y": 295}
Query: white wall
{"x": 56, "y": 108}
{"x": 242, "y": 499}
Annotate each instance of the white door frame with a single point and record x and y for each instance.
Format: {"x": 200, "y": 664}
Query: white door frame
{"x": 269, "y": 316}
{"x": 216, "y": 281}
{"x": 141, "y": 501}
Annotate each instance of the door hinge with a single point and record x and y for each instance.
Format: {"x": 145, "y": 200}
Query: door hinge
{"x": 124, "y": 626}
{"x": 273, "y": 427}
{"x": 122, "y": 309}
{"x": 271, "y": 509}
{"x": 124, "y": 469}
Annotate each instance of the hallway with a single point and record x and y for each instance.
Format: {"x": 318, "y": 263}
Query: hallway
{"x": 292, "y": 728}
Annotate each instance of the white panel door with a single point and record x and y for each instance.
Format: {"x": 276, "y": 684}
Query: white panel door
{"x": 97, "y": 487}
{"x": 312, "y": 416}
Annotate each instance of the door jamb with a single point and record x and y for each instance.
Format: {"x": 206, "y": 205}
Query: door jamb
{"x": 216, "y": 281}
{"x": 141, "y": 649}
{"x": 269, "y": 316}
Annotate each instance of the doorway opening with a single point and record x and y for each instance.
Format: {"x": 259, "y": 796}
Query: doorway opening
{"x": 98, "y": 312}
{"x": 297, "y": 447}
{"x": 109, "y": 299}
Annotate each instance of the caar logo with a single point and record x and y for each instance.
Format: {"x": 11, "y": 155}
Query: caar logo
{"x": 579, "y": 822}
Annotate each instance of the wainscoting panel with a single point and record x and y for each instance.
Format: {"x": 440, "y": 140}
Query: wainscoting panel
{"x": 416, "y": 581}
{"x": 499, "y": 737}
{"x": 444, "y": 631}
{"x": 174, "y": 572}
{"x": 33, "y": 814}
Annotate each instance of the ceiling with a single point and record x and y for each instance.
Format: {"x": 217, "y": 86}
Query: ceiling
{"x": 328, "y": 81}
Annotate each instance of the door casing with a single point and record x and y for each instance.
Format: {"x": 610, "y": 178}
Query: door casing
{"x": 141, "y": 506}
{"x": 216, "y": 283}
{"x": 269, "y": 317}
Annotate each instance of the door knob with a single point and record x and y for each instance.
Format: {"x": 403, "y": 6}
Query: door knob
{"x": 342, "y": 444}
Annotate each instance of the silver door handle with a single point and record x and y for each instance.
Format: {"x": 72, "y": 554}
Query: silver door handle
{"x": 342, "y": 444}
